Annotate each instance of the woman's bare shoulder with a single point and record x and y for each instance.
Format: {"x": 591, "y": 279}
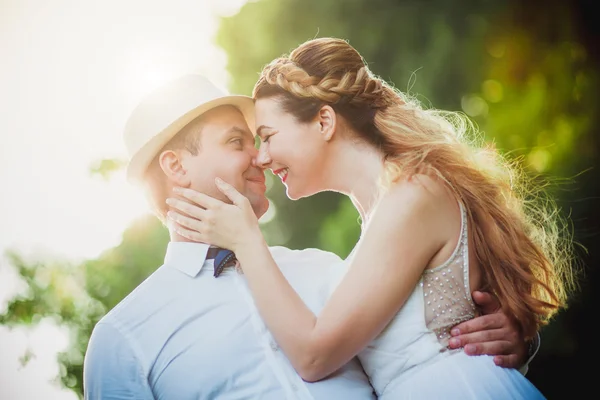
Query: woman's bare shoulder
{"x": 420, "y": 190}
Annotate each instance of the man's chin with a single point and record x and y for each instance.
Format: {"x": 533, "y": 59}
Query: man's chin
{"x": 260, "y": 206}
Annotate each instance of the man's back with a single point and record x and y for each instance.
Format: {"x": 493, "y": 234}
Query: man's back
{"x": 182, "y": 332}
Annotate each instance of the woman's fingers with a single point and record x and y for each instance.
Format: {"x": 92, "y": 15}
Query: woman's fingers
{"x": 201, "y": 199}
{"x": 187, "y": 233}
{"x": 187, "y": 208}
{"x": 236, "y": 197}
{"x": 187, "y": 222}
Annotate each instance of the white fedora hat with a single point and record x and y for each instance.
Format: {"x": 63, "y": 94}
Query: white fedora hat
{"x": 165, "y": 111}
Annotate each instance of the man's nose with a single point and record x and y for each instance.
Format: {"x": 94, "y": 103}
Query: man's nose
{"x": 263, "y": 159}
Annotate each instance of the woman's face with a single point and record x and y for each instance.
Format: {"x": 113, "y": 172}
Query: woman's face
{"x": 293, "y": 151}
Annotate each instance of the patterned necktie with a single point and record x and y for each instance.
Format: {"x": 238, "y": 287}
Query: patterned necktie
{"x": 223, "y": 258}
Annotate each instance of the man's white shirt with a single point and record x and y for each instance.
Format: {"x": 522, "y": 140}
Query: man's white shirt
{"x": 184, "y": 334}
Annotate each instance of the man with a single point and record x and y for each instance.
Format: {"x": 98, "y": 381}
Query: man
{"x": 188, "y": 331}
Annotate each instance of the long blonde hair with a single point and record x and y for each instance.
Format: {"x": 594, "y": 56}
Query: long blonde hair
{"x": 519, "y": 241}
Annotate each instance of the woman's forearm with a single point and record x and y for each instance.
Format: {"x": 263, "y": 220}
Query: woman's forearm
{"x": 290, "y": 321}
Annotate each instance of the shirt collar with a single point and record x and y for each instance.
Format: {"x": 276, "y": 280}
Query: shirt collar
{"x": 187, "y": 257}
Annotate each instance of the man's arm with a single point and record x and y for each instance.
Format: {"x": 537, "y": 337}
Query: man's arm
{"x": 111, "y": 368}
{"x": 532, "y": 348}
{"x": 494, "y": 333}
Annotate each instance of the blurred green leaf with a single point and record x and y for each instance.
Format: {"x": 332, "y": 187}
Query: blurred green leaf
{"x": 106, "y": 167}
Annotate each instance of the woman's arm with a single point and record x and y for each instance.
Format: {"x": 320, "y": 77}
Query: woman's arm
{"x": 400, "y": 239}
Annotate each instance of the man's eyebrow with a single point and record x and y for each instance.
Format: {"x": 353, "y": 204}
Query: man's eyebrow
{"x": 237, "y": 129}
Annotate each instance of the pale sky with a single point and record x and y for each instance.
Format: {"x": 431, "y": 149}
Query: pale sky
{"x": 71, "y": 71}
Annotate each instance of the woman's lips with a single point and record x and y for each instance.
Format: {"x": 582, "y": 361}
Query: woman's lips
{"x": 282, "y": 173}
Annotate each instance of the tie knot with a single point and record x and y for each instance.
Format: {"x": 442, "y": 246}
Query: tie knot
{"x": 222, "y": 257}
{"x": 213, "y": 252}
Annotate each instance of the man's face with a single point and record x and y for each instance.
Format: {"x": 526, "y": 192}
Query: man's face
{"x": 227, "y": 151}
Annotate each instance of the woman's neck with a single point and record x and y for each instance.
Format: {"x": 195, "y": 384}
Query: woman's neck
{"x": 356, "y": 169}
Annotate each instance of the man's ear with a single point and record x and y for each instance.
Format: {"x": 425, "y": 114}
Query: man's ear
{"x": 327, "y": 120}
{"x": 171, "y": 163}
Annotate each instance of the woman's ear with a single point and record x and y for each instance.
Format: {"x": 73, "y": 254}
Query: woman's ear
{"x": 171, "y": 164}
{"x": 327, "y": 120}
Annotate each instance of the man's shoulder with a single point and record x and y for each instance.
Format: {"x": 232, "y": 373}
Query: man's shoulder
{"x": 285, "y": 253}
{"x": 297, "y": 265}
{"x": 308, "y": 271}
{"x": 133, "y": 303}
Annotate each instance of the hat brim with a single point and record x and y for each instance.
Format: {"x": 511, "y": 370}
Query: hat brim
{"x": 139, "y": 163}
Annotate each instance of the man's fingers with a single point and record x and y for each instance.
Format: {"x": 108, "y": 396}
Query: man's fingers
{"x": 507, "y": 361}
{"x": 492, "y": 348}
{"x": 476, "y": 337}
{"x": 229, "y": 191}
{"x": 481, "y": 323}
{"x": 487, "y": 302}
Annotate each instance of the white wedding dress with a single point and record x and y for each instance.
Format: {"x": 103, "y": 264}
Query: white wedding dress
{"x": 410, "y": 358}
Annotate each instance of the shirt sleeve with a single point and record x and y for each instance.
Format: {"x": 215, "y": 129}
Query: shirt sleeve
{"x": 533, "y": 350}
{"x": 111, "y": 368}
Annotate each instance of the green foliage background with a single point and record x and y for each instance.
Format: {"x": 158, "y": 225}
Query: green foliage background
{"x": 526, "y": 72}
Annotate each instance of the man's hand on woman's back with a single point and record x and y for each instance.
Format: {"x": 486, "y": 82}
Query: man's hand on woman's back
{"x": 492, "y": 333}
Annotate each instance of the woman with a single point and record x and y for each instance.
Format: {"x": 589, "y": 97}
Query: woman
{"x": 440, "y": 218}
